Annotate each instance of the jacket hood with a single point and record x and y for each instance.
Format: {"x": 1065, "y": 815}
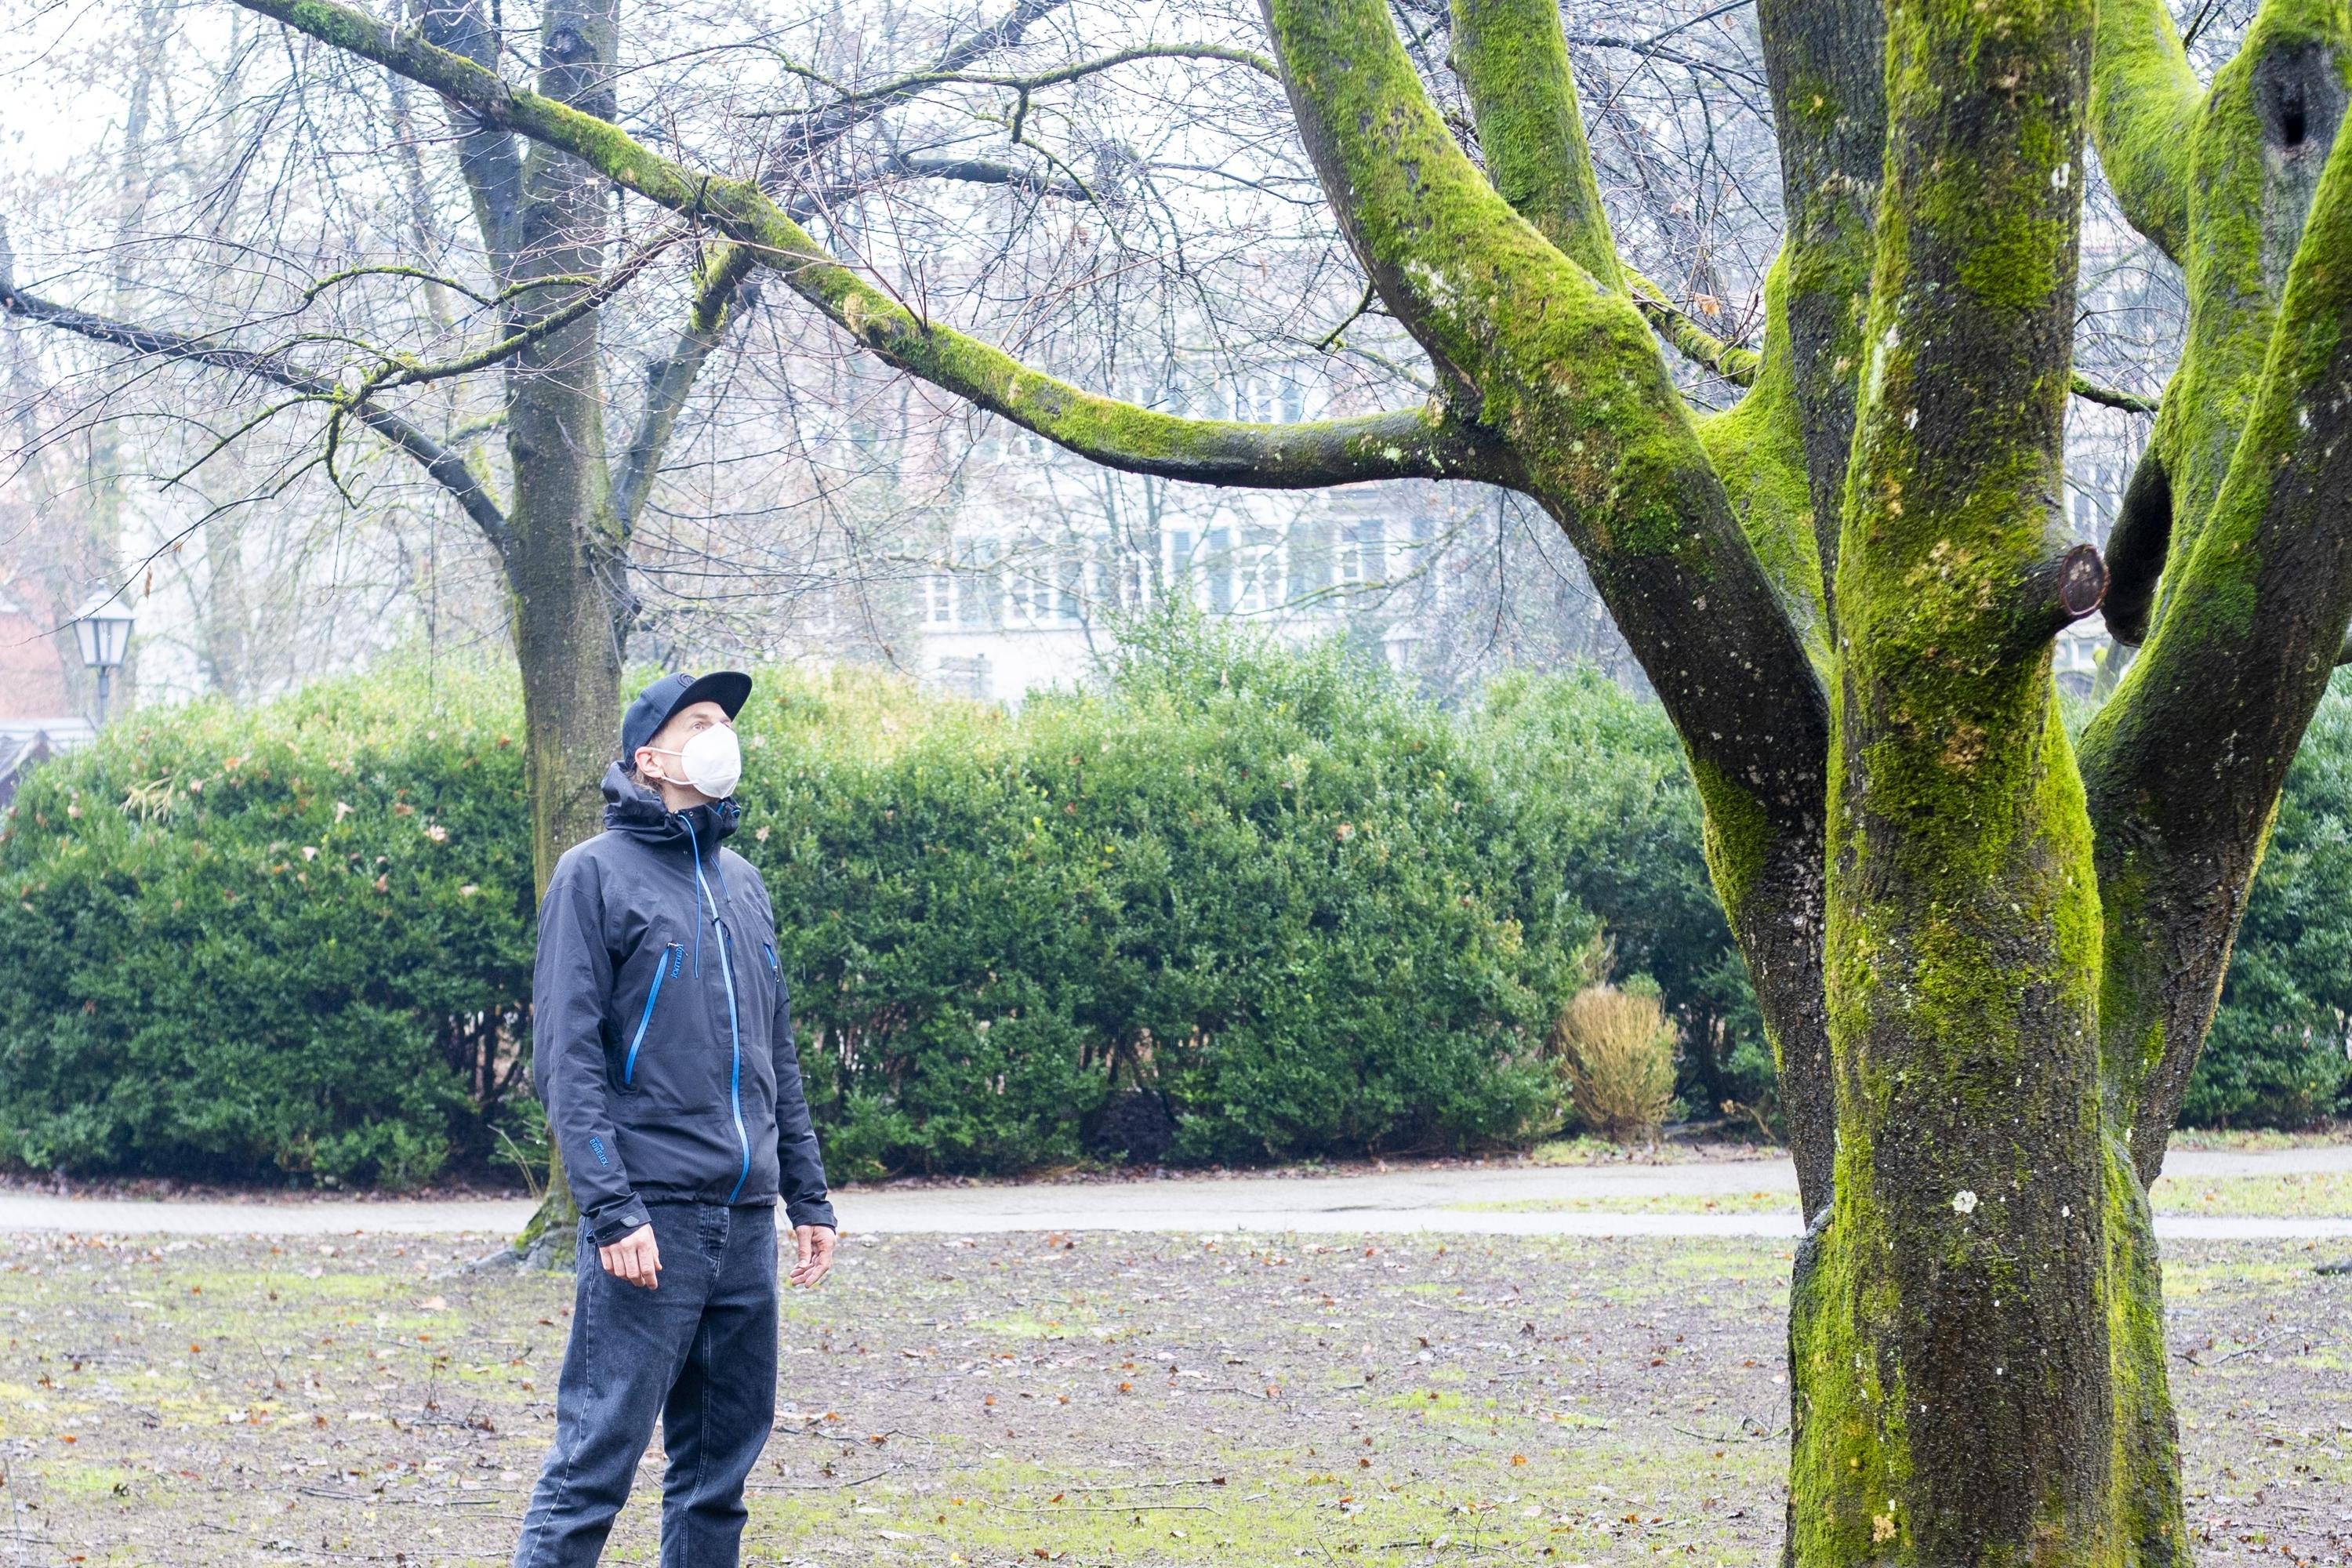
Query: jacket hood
{"x": 637, "y": 810}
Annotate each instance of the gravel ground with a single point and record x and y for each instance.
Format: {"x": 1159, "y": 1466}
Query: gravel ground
{"x": 1089, "y": 1398}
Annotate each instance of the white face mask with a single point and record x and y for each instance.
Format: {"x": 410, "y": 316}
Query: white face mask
{"x": 712, "y": 761}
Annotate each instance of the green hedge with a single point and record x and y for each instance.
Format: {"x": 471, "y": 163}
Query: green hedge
{"x": 2276, "y": 1057}
{"x": 1598, "y": 788}
{"x": 1241, "y": 905}
{"x": 266, "y": 942}
{"x": 1235, "y": 904}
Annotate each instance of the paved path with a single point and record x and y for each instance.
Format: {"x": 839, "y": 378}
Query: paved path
{"x": 1420, "y": 1199}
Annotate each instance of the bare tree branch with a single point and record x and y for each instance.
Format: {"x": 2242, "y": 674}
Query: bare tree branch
{"x": 444, "y": 467}
{"x": 719, "y": 289}
{"x": 907, "y": 85}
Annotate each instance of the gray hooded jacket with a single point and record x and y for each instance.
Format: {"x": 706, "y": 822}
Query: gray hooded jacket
{"x": 661, "y": 1033}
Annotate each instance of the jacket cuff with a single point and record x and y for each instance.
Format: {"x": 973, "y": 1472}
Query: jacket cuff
{"x": 811, "y": 1211}
{"x": 608, "y": 1223}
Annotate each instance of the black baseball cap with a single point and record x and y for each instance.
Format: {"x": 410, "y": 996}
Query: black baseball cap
{"x": 656, "y": 703}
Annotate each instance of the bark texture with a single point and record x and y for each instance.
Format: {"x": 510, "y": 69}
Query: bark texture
{"x": 1949, "y": 1343}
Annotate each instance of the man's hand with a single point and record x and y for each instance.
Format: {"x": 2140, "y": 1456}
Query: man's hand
{"x": 814, "y": 1244}
{"x": 635, "y": 1257}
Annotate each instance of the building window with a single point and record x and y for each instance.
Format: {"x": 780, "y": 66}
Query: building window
{"x": 977, "y": 596}
{"x": 966, "y": 676}
{"x": 1363, "y": 552}
{"x": 1220, "y": 549}
{"x": 1260, "y": 567}
{"x": 1310, "y": 559}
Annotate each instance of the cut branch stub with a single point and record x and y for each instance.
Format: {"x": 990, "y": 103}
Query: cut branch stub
{"x": 2077, "y": 582}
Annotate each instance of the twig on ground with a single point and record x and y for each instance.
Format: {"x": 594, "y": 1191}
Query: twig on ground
{"x": 819, "y": 1486}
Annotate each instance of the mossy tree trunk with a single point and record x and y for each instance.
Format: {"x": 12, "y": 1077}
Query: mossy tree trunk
{"x": 1950, "y": 1337}
{"x": 1986, "y": 962}
{"x": 542, "y": 213}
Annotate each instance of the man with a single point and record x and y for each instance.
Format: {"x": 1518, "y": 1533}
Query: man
{"x": 663, "y": 1049}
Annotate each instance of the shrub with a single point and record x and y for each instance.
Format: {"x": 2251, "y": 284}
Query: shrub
{"x": 1596, "y": 784}
{"x": 1235, "y": 904}
{"x": 2276, "y": 1057}
{"x": 1239, "y": 904}
{"x": 1619, "y": 1053}
{"x": 292, "y": 940}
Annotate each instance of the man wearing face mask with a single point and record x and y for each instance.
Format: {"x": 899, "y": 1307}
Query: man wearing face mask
{"x": 663, "y": 1050}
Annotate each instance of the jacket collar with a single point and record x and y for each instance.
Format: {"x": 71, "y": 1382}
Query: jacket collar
{"x": 637, "y": 811}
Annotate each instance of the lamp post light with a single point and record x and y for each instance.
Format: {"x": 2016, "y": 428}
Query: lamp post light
{"x": 104, "y": 628}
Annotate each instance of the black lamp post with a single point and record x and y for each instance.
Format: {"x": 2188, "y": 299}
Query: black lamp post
{"x": 103, "y": 627}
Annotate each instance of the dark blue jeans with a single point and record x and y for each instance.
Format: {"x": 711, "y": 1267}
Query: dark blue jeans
{"x": 700, "y": 1354}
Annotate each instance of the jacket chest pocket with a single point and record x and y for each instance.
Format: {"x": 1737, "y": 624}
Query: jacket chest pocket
{"x": 666, "y": 972}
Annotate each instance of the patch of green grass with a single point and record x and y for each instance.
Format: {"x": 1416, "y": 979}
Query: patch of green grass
{"x": 2315, "y": 1194}
{"x": 1060, "y": 1323}
{"x": 1586, "y": 1150}
{"x": 1568, "y": 1488}
{"x": 89, "y": 1480}
{"x": 1650, "y": 1203}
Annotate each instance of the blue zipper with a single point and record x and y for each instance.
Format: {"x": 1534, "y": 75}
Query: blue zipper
{"x": 774, "y": 969}
{"x": 734, "y": 1026}
{"x": 673, "y": 954}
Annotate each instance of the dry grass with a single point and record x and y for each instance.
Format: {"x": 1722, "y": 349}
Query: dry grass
{"x": 1619, "y": 1052}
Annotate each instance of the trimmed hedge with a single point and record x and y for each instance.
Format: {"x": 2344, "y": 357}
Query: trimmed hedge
{"x": 1243, "y": 904}
{"x": 265, "y": 941}
{"x": 1236, "y": 904}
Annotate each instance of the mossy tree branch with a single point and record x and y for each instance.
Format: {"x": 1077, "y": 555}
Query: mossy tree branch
{"x": 1730, "y": 361}
{"x": 2144, "y": 101}
{"x": 1825, "y": 62}
{"x": 1757, "y": 448}
{"x": 2257, "y": 594}
{"x": 1963, "y": 943}
{"x": 1567, "y": 376}
{"x": 1512, "y": 58}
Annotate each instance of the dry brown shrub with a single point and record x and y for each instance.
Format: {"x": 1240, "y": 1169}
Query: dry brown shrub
{"x": 1619, "y": 1052}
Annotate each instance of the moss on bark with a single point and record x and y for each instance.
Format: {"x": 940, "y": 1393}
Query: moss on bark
{"x": 1758, "y": 448}
{"x": 1951, "y": 1342}
{"x": 1513, "y": 61}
